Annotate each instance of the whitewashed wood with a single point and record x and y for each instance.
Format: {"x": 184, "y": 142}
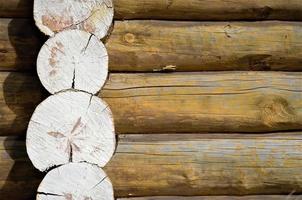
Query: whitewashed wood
{"x": 73, "y": 59}
{"x": 93, "y": 16}
{"x": 76, "y": 181}
{"x": 70, "y": 127}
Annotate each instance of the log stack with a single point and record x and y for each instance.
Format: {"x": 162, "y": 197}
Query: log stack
{"x": 226, "y": 124}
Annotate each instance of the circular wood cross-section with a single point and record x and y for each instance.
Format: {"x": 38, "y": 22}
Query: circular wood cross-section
{"x": 70, "y": 127}
{"x": 93, "y": 16}
{"x": 73, "y": 59}
{"x": 76, "y": 181}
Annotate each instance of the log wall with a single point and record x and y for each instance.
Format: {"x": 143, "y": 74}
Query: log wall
{"x": 235, "y": 134}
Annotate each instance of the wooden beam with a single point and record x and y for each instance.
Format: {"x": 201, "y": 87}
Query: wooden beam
{"x": 180, "y": 164}
{"x": 195, "y": 46}
{"x": 177, "y": 9}
{"x": 176, "y": 102}
{"x": 173, "y": 46}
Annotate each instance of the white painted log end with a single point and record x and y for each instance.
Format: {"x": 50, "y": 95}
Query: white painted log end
{"x": 93, "y": 16}
{"x": 73, "y": 59}
{"x": 76, "y": 181}
{"x": 70, "y": 126}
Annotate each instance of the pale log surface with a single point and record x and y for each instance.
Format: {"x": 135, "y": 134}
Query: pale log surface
{"x": 170, "y": 45}
{"x": 187, "y": 165}
{"x": 178, "y": 102}
{"x": 73, "y": 59}
{"x": 70, "y": 127}
{"x": 74, "y": 181}
{"x": 189, "y": 10}
{"x": 194, "y": 46}
{"x": 93, "y": 16}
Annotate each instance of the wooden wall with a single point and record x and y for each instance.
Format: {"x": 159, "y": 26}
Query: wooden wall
{"x": 226, "y": 124}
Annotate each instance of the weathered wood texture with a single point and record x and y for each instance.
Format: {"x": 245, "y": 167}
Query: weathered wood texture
{"x": 177, "y": 9}
{"x": 177, "y": 102}
{"x": 170, "y": 45}
{"x": 194, "y": 164}
{"x": 251, "y": 197}
{"x": 194, "y": 46}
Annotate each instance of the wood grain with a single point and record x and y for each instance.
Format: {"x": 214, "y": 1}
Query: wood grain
{"x": 195, "y": 46}
{"x": 177, "y": 9}
{"x": 187, "y": 165}
{"x": 173, "y": 46}
{"x": 176, "y": 102}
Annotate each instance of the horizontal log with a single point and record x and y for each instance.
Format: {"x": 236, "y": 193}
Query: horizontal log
{"x": 187, "y": 165}
{"x": 173, "y": 46}
{"x": 257, "y": 197}
{"x": 177, "y": 9}
{"x": 175, "y": 102}
{"x": 195, "y": 46}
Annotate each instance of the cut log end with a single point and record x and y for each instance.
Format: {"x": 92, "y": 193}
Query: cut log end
{"x": 73, "y": 59}
{"x": 70, "y": 127}
{"x": 74, "y": 181}
{"x": 93, "y": 16}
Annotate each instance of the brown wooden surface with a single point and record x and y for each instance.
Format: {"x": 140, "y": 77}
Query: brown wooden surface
{"x": 177, "y": 9}
{"x": 251, "y": 197}
{"x": 187, "y": 165}
{"x": 170, "y": 45}
{"x": 194, "y": 46}
{"x": 176, "y": 102}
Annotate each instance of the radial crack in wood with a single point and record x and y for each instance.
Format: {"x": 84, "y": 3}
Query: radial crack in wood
{"x": 70, "y": 127}
{"x": 76, "y": 181}
{"x": 94, "y": 16}
{"x": 73, "y": 59}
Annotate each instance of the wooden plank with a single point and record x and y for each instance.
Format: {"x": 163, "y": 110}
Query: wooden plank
{"x": 176, "y": 102}
{"x": 188, "y": 165}
{"x": 173, "y": 46}
{"x": 177, "y": 9}
{"x": 251, "y": 197}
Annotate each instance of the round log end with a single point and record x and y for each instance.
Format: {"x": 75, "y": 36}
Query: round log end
{"x": 76, "y": 181}
{"x": 70, "y": 126}
{"x": 93, "y": 16}
{"x": 73, "y": 59}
